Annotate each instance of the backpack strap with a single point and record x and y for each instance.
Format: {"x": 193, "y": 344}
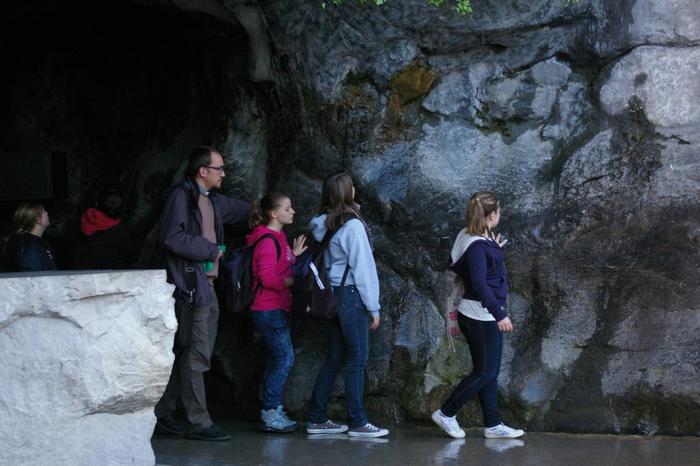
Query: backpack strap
{"x": 345, "y": 274}
{"x": 277, "y": 246}
{"x": 274, "y": 240}
{"x": 324, "y": 244}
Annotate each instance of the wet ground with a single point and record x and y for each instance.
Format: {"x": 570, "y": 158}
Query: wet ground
{"x": 424, "y": 445}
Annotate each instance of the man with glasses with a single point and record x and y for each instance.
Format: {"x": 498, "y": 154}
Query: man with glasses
{"x": 190, "y": 231}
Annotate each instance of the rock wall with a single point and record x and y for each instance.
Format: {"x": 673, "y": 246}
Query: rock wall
{"x": 583, "y": 116}
{"x": 85, "y": 359}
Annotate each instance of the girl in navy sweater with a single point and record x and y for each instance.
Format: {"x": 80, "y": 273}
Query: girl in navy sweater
{"x": 26, "y": 250}
{"x": 477, "y": 258}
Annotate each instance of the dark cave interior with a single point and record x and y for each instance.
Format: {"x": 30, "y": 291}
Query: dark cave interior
{"x": 120, "y": 91}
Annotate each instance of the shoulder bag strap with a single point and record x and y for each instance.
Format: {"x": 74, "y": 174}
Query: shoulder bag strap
{"x": 190, "y": 266}
{"x": 274, "y": 240}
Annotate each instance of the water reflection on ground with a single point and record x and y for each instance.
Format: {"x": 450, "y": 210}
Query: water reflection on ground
{"x": 424, "y": 445}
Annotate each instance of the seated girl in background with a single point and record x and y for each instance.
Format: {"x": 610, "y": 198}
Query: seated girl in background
{"x": 26, "y": 250}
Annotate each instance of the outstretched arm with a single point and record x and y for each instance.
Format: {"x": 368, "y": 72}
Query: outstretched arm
{"x": 171, "y": 231}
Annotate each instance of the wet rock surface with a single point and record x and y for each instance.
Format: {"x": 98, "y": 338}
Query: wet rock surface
{"x": 583, "y": 120}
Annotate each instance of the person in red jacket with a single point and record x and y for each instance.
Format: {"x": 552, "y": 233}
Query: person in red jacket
{"x": 271, "y": 308}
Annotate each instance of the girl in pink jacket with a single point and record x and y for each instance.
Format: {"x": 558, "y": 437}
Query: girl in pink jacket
{"x": 271, "y": 308}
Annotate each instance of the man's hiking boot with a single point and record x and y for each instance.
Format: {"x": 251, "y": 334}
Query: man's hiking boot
{"x": 168, "y": 426}
{"x": 210, "y": 434}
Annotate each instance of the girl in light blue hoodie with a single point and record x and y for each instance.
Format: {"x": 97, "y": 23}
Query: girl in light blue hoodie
{"x": 350, "y": 263}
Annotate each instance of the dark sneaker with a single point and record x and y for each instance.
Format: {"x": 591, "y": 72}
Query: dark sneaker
{"x": 168, "y": 426}
{"x": 328, "y": 427}
{"x": 368, "y": 430}
{"x": 211, "y": 434}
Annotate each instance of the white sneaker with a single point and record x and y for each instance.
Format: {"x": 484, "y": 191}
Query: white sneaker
{"x": 502, "y": 431}
{"x": 451, "y": 451}
{"x": 448, "y": 424}
{"x": 502, "y": 444}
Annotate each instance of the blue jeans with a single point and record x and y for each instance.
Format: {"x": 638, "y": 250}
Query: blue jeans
{"x": 274, "y": 327}
{"x": 348, "y": 344}
{"x": 486, "y": 347}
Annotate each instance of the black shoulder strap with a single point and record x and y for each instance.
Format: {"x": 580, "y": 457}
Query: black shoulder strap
{"x": 324, "y": 244}
{"x": 345, "y": 274}
{"x": 274, "y": 240}
{"x": 190, "y": 266}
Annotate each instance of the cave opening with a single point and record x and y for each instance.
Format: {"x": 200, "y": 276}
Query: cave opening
{"x": 122, "y": 90}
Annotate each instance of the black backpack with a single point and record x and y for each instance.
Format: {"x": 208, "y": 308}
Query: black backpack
{"x": 237, "y": 276}
{"x": 313, "y": 294}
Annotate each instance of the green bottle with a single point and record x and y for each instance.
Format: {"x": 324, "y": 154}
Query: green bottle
{"x": 208, "y": 265}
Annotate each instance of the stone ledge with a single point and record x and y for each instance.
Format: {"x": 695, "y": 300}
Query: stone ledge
{"x": 86, "y": 356}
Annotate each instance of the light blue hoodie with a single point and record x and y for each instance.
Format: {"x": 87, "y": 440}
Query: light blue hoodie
{"x": 350, "y": 246}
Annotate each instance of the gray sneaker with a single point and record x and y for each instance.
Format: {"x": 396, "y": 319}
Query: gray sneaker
{"x": 368, "y": 430}
{"x": 284, "y": 415}
{"x": 328, "y": 427}
{"x": 276, "y": 420}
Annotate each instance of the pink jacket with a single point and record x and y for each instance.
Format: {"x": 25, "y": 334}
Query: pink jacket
{"x": 271, "y": 272}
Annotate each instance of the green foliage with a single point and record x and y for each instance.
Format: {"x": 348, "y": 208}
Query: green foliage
{"x": 463, "y": 7}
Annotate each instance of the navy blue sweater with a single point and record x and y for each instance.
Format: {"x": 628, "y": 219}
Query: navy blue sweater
{"x": 483, "y": 270}
{"x": 28, "y": 253}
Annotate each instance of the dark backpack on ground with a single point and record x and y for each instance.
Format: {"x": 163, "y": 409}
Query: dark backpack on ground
{"x": 237, "y": 276}
{"x": 313, "y": 294}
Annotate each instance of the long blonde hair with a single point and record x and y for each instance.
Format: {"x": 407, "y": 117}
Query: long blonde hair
{"x": 26, "y": 216}
{"x": 481, "y": 205}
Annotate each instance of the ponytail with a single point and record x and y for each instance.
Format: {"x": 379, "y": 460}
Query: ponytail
{"x": 257, "y": 216}
{"x": 261, "y": 208}
{"x": 26, "y": 215}
{"x": 480, "y": 206}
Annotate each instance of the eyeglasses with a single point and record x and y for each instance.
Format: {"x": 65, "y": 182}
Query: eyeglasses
{"x": 219, "y": 169}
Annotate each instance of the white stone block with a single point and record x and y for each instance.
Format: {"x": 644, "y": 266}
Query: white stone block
{"x": 85, "y": 358}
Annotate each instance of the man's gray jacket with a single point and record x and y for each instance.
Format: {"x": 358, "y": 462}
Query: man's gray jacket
{"x": 181, "y": 247}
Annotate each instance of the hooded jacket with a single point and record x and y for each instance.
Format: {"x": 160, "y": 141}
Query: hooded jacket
{"x": 350, "y": 245}
{"x": 94, "y": 221}
{"x": 481, "y": 264}
{"x": 103, "y": 242}
{"x": 181, "y": 247}
{"x": 269, "y": 271}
